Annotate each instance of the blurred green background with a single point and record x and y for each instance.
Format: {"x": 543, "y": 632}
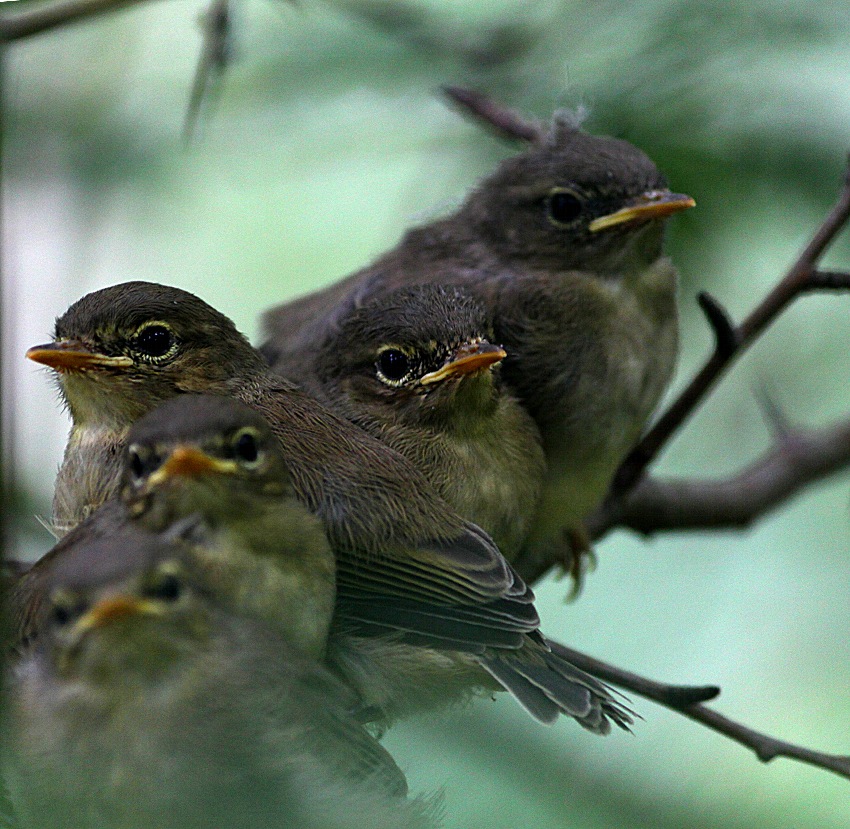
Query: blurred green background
{"x": 326, "y": 142}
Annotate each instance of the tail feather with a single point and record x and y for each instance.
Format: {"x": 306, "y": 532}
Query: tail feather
{"x": 526, "y": 693}
{"x": 547, "y": 685}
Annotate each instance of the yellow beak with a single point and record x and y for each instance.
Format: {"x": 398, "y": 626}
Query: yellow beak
{"x": 655, "y": 204}
{"x": 469, "y": 358}
{"x": 113, "y": 609}
{"x": 189, "y": 462}
{"x": 73, "y": 355}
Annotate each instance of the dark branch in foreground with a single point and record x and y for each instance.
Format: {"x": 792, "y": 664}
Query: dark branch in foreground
{"x": 685, "y": 700}
{"x": 215, "y": 55}
{"x": 801, "y": 278}
{"x": 40, "y": 17}
{"x": 799, "y": 457}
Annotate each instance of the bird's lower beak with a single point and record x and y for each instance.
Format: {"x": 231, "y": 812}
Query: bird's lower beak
{"x": 655, "y": 204}
{"x": 112, "y": 610}
{"x": 189, "y": 462}
{"x": 468, "y": 359}
{"x": 73, "y": 355}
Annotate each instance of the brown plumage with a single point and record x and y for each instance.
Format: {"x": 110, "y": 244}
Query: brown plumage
{"x": 149, "y": 702}
{"x": 562, "y": 244}
{"x": 424, "y": 596}
{"x": 418, "y": 369}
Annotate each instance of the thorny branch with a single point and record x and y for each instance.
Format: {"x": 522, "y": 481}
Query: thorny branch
{"x": 685, "y": 700}
{"x": 798, "y": 457}
{"x": 803, "y": 277}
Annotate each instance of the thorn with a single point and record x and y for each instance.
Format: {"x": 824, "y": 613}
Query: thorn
{"x": 774, "y": 417}
{"x": 726, "y": 336}
{"x": 505, "y": 121}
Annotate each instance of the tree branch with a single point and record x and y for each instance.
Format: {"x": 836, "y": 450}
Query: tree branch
{"x": 799, "y": 457}
{"x": 672, "y": 696}
{"x": 40, "y": 17}
{"x": 801, "y": 278}
{"x": 685, "y": 700}
{"x": 506, "y": 122}
{"x": 215, "y": 55}
{"x": 829, "y": 281}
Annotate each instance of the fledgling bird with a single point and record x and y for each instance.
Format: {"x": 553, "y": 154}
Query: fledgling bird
{"x": 563, "y": 246}
{"x": 434, "y": 607}
{"x": 400, "y": 643}
{"x": 147, "y": 704}
{"x": 418, "y": 369}
{"x": 264, "y": 551}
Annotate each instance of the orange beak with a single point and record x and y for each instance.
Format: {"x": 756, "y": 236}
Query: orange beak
{"x": 189, "y": 462}
{"x": 73, "y": 355}
{"x": 469, "y": 358}
{"x": 655, "y": 204}
{"x": 114, "y": 609}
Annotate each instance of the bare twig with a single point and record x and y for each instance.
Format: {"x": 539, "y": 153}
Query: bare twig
{"x": 799, "y": 457}
{"x": 765, "y": 747}
{"x": 801, "y": 278}
{"x": 40, "y": 17}
{"x": 725, "y": 335}
{"x": 506, "y": 122}
{"x": 685, "y": 700}
{"x": 673, "y": 696}
{"x": 214, "y": 57}
{"x": 829, "y": 281}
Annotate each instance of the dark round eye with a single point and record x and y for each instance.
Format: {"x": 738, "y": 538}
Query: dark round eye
{"x": 154, "y": 340}
{"x": 393, "y": 364}
{"x": 66, "y": 608}
{"x": 136, "y": 464}
{"x": 167, "y": 589}
{"x": 564, "y": 207}
{"x": 245, "y": 448}
{"x": 62, "y": 614}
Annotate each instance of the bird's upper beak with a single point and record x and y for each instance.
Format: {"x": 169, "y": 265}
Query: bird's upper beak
{"x": 188, "y": 461}
{"x": 468, "y": 359}
{"x": 654, "y": 204}
{"x": 74, "y": 355}
{"x": 113, "y": 609}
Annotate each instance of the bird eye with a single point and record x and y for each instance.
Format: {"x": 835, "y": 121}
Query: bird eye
{"x": 563, "y": 206}
{"x": 61, "y": 615}
{"x": 135, "y": 463}
{"x": 169, "y": 588}
{"x": 65, "y": 607}
{"x": 245, "y": 447}
{"x": 393, "y": 366}
{"x": 155, "y": 340}
{"x": 141, "y": 461}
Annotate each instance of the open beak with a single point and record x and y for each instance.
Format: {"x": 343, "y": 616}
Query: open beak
{"x": 655, "y": 204}
{"x": 73, "y": 355}
{"x": 189, "y": 462}
{"x": 468, "y": 359}
{"x": 114, "y": 609}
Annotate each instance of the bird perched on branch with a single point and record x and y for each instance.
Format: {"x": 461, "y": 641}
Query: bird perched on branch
{"x": 148, "y": 702}
{"x": 435, "y": 609}
{"x": 563, "y": 246}
{"x": 418, "y": 369}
